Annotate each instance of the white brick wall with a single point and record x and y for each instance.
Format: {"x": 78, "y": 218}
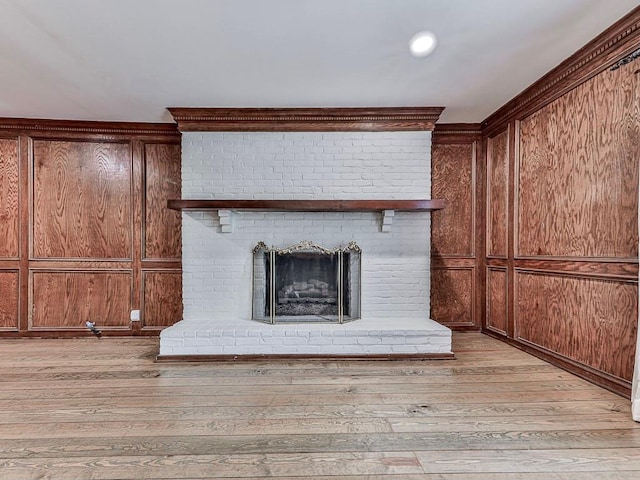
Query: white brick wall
{"x": 335, "y": 165}
{"x": 217, "y": 267}
{"x": 381, "y": 165}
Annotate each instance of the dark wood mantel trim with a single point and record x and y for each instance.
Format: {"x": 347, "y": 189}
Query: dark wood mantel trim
{"x": 308, "y": 205}
{"x": 306, "y": 119}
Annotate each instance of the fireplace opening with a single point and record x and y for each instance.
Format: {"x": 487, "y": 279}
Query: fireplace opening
{"x": 306, "y": 283}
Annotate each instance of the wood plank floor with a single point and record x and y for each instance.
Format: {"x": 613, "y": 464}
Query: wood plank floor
{"x": 102, "y": 409}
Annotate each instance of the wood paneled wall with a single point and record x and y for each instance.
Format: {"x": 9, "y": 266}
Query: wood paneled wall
{"x": 562, "y": 207}
{"x": 578, "y": 171}
{"x": 9, "y": 173}
{"x": 588, "y": 320}
{"x": 456, "y": 177}
{"x": 82, "y": 199}
{"x": 497, "y": 194}
{"x": 85, "y": 234}
{"x": 9, "y": 232}
{"x": 8, "y": 299}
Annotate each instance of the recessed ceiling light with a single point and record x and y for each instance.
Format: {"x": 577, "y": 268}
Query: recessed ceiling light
{"x": 422, "y": 44}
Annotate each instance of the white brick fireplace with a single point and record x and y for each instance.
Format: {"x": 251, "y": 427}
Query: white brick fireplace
{"x": 217, "y": 246}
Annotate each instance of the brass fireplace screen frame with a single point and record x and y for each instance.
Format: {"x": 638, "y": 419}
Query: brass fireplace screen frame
{"x": 264, "y": 260}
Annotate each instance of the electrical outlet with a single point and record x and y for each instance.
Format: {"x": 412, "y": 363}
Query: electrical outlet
{"x": 135, "y": 315}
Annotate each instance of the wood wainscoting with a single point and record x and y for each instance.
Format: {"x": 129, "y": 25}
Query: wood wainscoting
{"x": 562, "y": 208}
{"x": 86, "y": 235}
{"x": 457, "y": 177}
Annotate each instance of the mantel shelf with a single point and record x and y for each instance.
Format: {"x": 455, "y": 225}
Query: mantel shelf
{"x": 308, "y": 205}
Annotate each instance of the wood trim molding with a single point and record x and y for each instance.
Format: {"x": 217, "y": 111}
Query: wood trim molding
{"x": 76, "y": 333}
{"x": 305, "y": 119}
{"x": 31, "y": 125}
{"x": 627, "y": 273}
{"x": 602, "y": 379}
{"x": 303, "y": 356}
{"x": 456, "y": 133}
{"x": 453, "y": 261}
{"x": 609, "y": 47}
{"x": 308, "y": 205}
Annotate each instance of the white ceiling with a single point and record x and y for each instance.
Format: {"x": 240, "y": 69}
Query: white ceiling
{"x": 129, "y": 59}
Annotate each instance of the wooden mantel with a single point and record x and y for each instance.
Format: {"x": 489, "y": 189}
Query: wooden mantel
{"x": 308, "y": 205}
{"x": 370, "y": 119}
{"x": 386, "y": 207}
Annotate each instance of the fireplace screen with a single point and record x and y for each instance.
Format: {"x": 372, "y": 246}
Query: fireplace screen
{"x": 306, "y": 283}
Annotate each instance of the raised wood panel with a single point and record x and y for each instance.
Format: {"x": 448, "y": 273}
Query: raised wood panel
{"x": 497, "y": 193}
{"x": 162, "y": 298}
{"x": 82, "y": 199}
{"x": 163, "y": 227}
{"x": 591, "y": 321}
{"x": 453, "y": 179}
{"x": 69, "y": 299}
{"x": 578, "y": 171}
{"x": 452, "y": 296}
{"x": 497, "y": 300}
{"x": 9, "y": 214}
{"x": 9, "y": 299}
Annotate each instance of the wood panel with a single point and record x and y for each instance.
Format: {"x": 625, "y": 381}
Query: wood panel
{"x": 69, "y": 299}
{"x": 9, "y": 299}
{"x": 75, "y": 193}
{"x": 163, "y": 227}
{"x": 9, "y": 214}
{"x": 592, "y": 321}
{"x": 452, "y": 295}
{"x": 497, "y": 193}
{"x": 571, "y": 140}
{"x": 162, "y": 298}
{"x": 497, "y": 300}
{"x": 82, "y": 199}
{"x": 453, "y": 179}
{"x": 578, "y": 171}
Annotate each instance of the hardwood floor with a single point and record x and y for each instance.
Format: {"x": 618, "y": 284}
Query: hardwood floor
{"x": 102, "y": 409}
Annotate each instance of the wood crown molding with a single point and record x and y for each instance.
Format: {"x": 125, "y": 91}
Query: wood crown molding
{"x": 613, "y": 44}
{"x": 306, "y": 119}
{"x": 456, "y": 133}
{"x": 33, "y": 125}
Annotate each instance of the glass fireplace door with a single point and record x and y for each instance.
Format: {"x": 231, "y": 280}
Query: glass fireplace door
{"x": 306, "y": 283}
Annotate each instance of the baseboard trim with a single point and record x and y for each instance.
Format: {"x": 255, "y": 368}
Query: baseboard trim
{"x": 601, "y": 379}
{"x": 304, "y": 356}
